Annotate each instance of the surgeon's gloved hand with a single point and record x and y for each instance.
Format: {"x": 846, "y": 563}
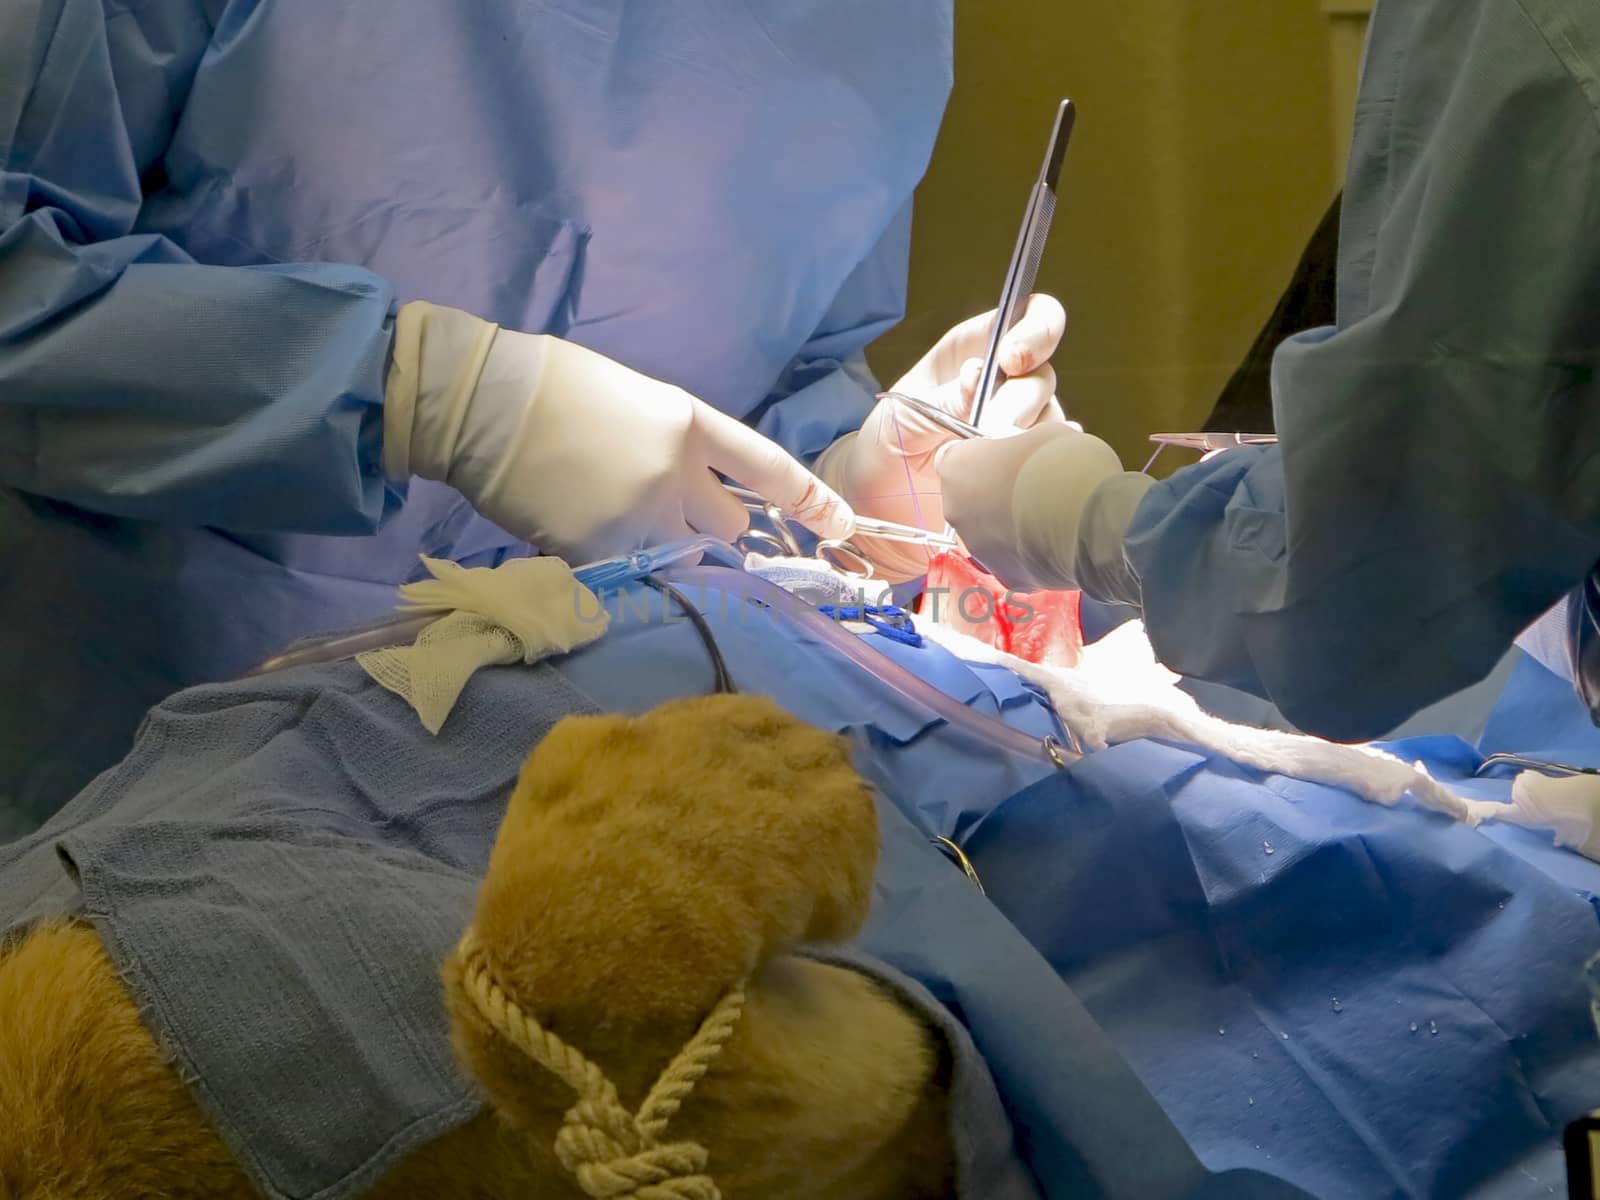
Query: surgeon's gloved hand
{"x": 887, "y": 469}
{"x": 1045, "y": 509}
{"x": 571, "y": 451}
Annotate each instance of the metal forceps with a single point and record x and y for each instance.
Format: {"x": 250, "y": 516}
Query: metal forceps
{"x": 1207, "y": 442}
{"x": 778, "y": 538}
{"x": 1214, "y": 441}
{"x": 1020, "y": 275}
{"x": 1532, "y": 764}
{"x": 944, "y": 420}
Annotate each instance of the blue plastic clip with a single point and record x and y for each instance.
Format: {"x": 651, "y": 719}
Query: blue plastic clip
{"x": 890, "y": 620}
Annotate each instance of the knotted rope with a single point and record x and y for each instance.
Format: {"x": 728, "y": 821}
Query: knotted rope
{"x": 613, "y": 1154}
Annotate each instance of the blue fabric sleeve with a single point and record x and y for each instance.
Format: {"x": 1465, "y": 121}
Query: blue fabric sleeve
{"x": 828, "y": 390}
{"x": 1437, "y": 486}
{"x": 133, "y": 380}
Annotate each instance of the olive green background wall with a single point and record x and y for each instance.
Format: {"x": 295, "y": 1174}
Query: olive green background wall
{"x": 1203, "y": 156}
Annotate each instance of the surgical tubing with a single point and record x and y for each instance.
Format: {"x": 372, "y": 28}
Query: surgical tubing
{"x": 391, "y": 631}
{"x": 731, "y": 581}
{"x": 883, "y": 668}
{"x": 404, "y": 627}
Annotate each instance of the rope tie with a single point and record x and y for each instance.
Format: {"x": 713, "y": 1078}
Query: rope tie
{"x": 612, "y": 1153}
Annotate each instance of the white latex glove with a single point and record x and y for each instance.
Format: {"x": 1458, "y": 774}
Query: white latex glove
{"x": 571, "y": 451}
{"x": 1045, "y": 509}
{"x": 888, "y": 468}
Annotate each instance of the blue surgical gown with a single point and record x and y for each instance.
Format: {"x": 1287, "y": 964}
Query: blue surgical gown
{"x": 1437, "y": 485}
{"x": 210, "y": 209}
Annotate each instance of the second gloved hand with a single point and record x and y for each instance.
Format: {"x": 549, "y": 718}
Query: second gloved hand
{"x": 1045, "y": 509}
{"x": 572, "y": 451}
{"x": 887, "y": 469}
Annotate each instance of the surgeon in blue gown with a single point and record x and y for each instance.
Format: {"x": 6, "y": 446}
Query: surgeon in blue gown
{"x": 293, "y": 291}
{"x": 1436, "y": 488}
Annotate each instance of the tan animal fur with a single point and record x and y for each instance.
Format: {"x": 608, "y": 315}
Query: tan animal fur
{"x": 644, "y": 867}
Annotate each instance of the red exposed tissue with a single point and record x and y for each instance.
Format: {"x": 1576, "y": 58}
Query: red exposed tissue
{"x": 1038, "y": 627}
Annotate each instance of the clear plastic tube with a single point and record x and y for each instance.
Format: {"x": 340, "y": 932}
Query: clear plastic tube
{"x": 392, "y": 631}
{"x": 986, "y": 732}
{"x": 982, "y": 728}
{"x": 403, "y": 628}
